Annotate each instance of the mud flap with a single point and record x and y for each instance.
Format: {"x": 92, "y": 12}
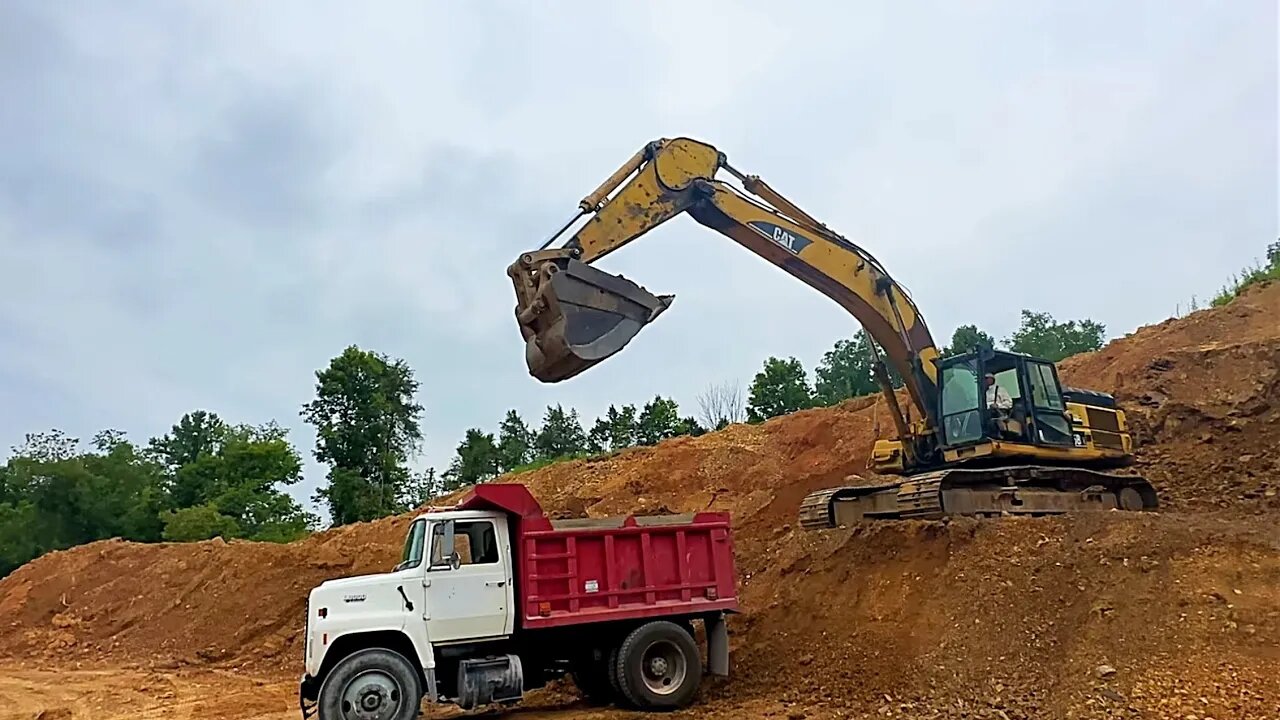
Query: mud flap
{"x": 717, "y": 645}
{"x": 307, "y": 693}
{"x": 586, "y": 316}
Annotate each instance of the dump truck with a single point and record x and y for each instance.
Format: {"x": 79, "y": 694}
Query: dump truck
{"x": 492, "y": 598}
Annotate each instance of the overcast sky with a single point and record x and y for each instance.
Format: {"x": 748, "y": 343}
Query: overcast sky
{"x": 202, "y": 203}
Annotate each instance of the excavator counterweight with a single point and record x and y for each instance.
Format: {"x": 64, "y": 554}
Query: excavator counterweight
{"x": 573, "y": 315}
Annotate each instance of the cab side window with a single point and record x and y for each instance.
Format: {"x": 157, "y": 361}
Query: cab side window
{"x": 482, "y": 542}
{"x": 475, "y": 541}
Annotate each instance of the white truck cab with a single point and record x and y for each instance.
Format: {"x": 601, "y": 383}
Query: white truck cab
{"x": 453, "y": 585}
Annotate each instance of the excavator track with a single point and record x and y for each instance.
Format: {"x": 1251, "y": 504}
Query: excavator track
{"x": 986, "y": 492}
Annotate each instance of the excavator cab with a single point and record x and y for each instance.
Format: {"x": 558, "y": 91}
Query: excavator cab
{"x": 572, "y": 315}
{"x": 1021, "y": 403}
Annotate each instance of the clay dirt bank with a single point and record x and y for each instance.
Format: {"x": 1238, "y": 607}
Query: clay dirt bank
{"x": 1170, "y": 614}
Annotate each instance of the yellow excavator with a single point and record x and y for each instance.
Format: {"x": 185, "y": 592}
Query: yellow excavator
{"x": 1035, "y": 448}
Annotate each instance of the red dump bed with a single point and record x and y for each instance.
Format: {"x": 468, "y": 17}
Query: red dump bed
{"x": 575, "y": 571}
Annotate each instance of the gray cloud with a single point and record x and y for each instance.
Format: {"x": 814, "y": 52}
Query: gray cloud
{"x": 200, "y": 206}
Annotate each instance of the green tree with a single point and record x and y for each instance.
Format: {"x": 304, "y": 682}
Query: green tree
{"x": 421, "y": 488}
{"x": 366, "y": 422}
{"x": 54, "y": 495}
{"x": 515, "y": 442}
{"x": 598, "y": 436}
{"x": 200, "y": 522}
{"x": 561, "y": 434}
{"x": 477, "y": 460}
{"x": 1041, "y": 336}
{"x": 845, "y": 371}
{"x": 48, "y": 446}
{"x": 197, "y": 434}
{"x": 237, "y": 470}
{"x": 781, "y": 387}
{"x": 689, "y": 426}
{"x": 660, "y": 419}
{"x": 965, "y": 339}
{"x": 623, "y": 427}
{"x": 255, "y": 463}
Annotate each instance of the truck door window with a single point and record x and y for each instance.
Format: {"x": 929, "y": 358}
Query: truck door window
{"x": 475, "y": 541}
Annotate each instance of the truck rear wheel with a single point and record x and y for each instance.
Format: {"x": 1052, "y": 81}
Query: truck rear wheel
{"x": 372, "y": 684}
{"x": 659, "y": 667}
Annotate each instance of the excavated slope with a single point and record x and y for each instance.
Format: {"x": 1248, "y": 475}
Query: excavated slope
{"x": 1173, "y": 613}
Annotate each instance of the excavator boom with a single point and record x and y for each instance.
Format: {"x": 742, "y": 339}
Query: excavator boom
{"x": 572, "y": 316}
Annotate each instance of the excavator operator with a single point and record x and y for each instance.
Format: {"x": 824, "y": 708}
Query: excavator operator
{"x": 999, "y": 404}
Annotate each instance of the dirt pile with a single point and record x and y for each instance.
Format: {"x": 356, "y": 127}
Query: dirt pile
{"x": 177, "y": 604}
{"x": 1013, "y": 618}
{"x": 1203, "y": 395}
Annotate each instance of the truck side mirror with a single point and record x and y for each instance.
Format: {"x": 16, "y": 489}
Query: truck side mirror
{"x": 448, "y": 556}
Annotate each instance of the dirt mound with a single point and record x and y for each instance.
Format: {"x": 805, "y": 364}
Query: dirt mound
{"x": 1011, "y": 618}
{"x": 1029, "y": 617}
{"x": 175, "y": 604}
{"x": 1203, "y": 395}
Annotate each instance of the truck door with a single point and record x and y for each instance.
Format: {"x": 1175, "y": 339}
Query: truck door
{"x": 469, "y": 595}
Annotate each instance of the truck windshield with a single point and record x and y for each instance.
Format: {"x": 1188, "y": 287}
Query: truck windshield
{"x": 412, "y": 555}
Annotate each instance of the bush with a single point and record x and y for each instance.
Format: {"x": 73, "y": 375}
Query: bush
{"x": 200, "y": 522}
{"x": 1250, "y": 276}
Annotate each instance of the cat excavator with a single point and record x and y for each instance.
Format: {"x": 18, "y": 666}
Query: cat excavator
{"x": 1042, "y": 449}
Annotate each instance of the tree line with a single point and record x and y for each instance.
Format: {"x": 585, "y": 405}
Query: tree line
{"x": 208, "y": 478}
{"x": 845, "y": 371}
{"x": 482, "y": 456}
{"x": 202, "y": 478}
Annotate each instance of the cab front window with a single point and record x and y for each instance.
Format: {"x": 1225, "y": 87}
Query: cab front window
{"x": 411, "y": 556}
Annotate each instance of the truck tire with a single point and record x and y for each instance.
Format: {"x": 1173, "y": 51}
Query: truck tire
{"x": 658, "y": 667}
{"x": 372, "y": 684}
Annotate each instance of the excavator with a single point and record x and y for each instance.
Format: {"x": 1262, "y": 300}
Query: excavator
{"x": 1045, "y": 450}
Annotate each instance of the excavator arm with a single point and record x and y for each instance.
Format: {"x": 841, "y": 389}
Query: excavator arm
{"x": 573, "y": 315}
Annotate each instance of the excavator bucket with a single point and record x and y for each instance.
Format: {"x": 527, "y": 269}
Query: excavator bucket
{"x": 578, "y": 315}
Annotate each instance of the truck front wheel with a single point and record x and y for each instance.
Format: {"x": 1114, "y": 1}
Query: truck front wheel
{"x": 658, "y": 666}
{"x": 372, "y": 684}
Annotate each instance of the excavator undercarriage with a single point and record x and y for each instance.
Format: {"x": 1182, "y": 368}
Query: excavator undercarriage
{"x": 991, "y": 492}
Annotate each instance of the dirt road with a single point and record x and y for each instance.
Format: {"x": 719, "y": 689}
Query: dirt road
{"x": 124, "y": 694}
{"x": 116, "y": 694}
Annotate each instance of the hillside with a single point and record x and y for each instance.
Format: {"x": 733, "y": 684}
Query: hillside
{"x": 1010, "y": 618}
